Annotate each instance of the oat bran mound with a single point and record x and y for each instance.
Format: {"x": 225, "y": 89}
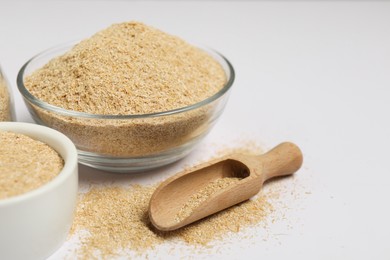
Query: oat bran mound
{"x": 126, "y": 69}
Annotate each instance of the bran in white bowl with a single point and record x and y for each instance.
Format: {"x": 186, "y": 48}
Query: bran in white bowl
{"x": 25, "y": 164}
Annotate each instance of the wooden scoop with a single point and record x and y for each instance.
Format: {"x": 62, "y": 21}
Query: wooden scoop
{"x": 172, "y": 194}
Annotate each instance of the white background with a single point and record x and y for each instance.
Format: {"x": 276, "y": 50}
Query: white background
{"x": 313, "y": 72}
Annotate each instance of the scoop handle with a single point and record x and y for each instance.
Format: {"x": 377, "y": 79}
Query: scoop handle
{"x": 284, "y": 159}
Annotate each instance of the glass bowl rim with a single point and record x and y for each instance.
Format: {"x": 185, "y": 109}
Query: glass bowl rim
{"x": 32, "y": 99}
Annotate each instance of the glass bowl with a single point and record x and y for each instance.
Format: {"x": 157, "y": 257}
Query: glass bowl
{"x": 128, "y": 143}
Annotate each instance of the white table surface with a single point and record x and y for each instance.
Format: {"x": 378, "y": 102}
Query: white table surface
{"x": 315, "y": 73}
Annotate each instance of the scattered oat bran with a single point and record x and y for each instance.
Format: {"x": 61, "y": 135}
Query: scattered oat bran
{"x": 116, "y": 219}
{"x": 247, "y": 146}
{"x": 202, "y": 195}
{"x": 25, "y": 164}
{"x": 211, "y": 235}
{"x": 128, "y": 69}
{"x": 97, "y": 207}
{"x": 232, "y": 220}
{"x": 5, "y": 102}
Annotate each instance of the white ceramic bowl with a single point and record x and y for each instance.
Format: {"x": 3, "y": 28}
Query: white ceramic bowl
{"x": 34, "y": 225}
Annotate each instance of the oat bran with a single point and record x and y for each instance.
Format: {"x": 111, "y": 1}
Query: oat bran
{"x": 25, "y": 164}
{"x": 127, "y": 69}
{"x": 202, "y": 195}
{"x": 5, "y": 102}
